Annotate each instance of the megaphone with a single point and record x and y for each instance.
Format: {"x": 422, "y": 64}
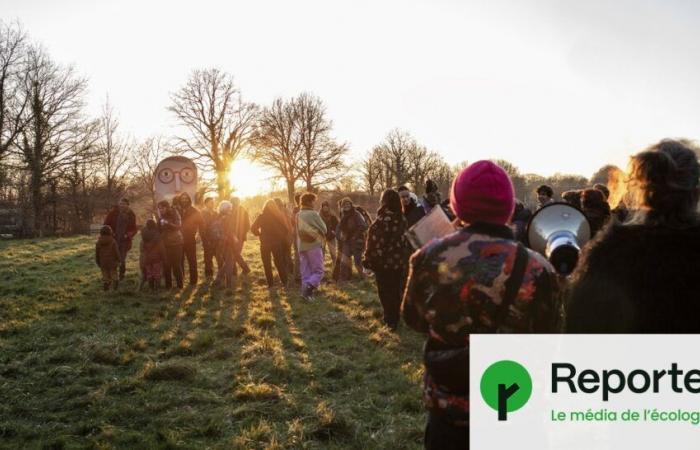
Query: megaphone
{"x": 558, "y": 231}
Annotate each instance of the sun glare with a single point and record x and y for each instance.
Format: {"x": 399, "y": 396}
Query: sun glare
{"x": 248, "y": 179}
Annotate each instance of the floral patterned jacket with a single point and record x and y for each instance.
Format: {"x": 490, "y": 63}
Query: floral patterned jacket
{"x": 387, "y": 247}
{"x": 455, "y": 287}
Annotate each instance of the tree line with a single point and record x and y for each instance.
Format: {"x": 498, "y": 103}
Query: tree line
{"x": 60, "y": 168}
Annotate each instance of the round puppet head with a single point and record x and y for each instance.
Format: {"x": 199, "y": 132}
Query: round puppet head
{"x": 174, "y": 176}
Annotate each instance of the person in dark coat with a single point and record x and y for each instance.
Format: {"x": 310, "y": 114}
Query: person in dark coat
{"x": 209, "y": 215}
{"x": 412, "y": 211}
{"x": 387, "y": 253}
{"x": 122, "y": 220}
{"x": 596, "y": 209}
{"x": 152, "y": 254}
{"x": 351, "y": 234}
{"x": 641, "y": 276}
{"x": 274, "y": 230}
{"x": 331, "y": 221}
{"x": 241, "y": 222}
{"x": 192, "y": 223}
{"x": 107, "y": 257}
{"x": 169, "y": 224}
{"x": 290, "y": 238}
{"x": 227, "y": 245}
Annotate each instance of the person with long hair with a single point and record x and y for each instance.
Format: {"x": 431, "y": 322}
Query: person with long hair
{"x": 274, "y": 229}
{"x": 169, "y": 224}
{"x": 386, "y": 255}
{"x": 475, "y": 280}
{"x": 641, "y": 276}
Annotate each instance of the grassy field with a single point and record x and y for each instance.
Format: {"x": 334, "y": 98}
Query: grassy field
{"x": 202, "y": 368}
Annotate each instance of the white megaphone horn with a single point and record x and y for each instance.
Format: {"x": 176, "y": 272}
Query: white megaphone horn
{"x": 558, "y": 231}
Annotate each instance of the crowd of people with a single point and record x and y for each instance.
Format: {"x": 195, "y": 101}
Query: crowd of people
{"x": 635, "y": 276}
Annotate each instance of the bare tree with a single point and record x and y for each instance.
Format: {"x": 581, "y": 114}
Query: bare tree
{"x": 371, "y": 170}
{"x": 145, "y": 160}
{"x": 13, "y": 101}
{"x": 114, "y": 153}
{"x": 219, "y": 123}
{"x": 278, "y": 143}
{"x": 56, "y": 134}
{"x": 397, "y": 150}
{"x": 321, "y": 157}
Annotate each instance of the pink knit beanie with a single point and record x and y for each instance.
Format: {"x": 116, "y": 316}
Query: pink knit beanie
{"x": 483, "y": 192}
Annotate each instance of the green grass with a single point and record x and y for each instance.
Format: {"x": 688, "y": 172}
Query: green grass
{"x": 242, "y": 368}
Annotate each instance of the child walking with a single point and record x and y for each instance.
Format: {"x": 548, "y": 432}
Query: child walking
{"x": 152, "y": 254}
{"x": 107, "y": 257}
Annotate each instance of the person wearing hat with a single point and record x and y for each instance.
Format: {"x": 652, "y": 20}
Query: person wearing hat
{"x": 475, "y": 280}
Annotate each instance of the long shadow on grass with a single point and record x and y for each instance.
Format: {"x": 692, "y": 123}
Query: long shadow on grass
{"x": 356, "y": 381}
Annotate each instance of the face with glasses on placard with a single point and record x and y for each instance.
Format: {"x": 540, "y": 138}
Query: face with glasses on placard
{"x": 175, "y": 175}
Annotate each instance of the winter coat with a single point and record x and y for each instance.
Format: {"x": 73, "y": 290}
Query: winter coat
{"x": 169, "y": 226}
{"x": 130, "y": 230}
{"x": 413, "y": 213}
{"x": 152, "y": 248}
{"x": 107, "y": 253}
{"x": 311, "y": 229}
{"x": 272, "y": 230}
{"x": 455, "y": 287}
{"x": 352, "y": 229}
{"x": 206, "y": 231}
{"x": 387, "y": 247}
{"x": 331, "y": 222}
{"x": 192, "y": 222}
{"x": 637, "y": 279}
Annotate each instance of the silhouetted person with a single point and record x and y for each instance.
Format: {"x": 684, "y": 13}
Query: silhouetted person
{"x": 274, "y": 230}
{"x": 192, "y": 223}
{"x": 642, "y": 276}
{"x": 122, "y": 220}
{"x": 169, "y": 224}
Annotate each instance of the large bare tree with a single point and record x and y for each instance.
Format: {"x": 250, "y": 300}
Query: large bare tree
{"x": 218, "y": 122}
{"x": 278, "y": 143}
{"x": 321, "y": 157}
{"x": 13, "y": 99}
{"x": 57, "y": 134}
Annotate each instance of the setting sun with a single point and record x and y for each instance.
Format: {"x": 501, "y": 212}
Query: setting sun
{"x": 248, "y": 179}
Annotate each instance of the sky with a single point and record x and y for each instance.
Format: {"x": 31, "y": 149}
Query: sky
{"x": 552, "y": 86}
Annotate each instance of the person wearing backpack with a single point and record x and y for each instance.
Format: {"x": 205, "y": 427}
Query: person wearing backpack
{"x": 478, "y": 279}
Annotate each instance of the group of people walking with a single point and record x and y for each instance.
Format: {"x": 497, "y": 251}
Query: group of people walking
{"x": 636, "y": 276}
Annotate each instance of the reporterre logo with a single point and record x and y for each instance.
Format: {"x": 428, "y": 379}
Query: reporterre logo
{"x": 506, "y": 386}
